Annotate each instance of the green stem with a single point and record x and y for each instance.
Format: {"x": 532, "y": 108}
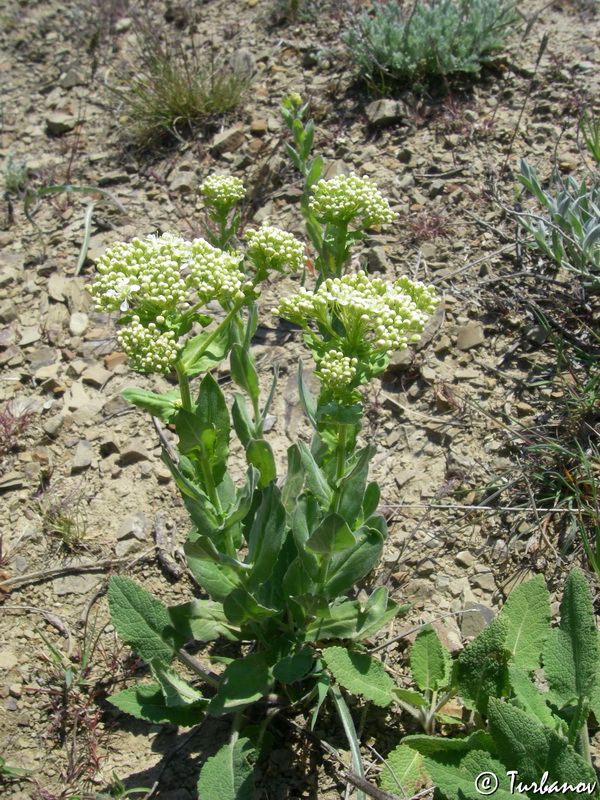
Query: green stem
{"x": 340, "y": 465}
{"x": 184, "y": 386}
{"x": 585, "y": 744}
{"x": 350, "y": 731}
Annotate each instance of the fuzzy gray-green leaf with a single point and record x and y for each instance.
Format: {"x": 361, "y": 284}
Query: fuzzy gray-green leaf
{"x": 142, "y": 621}
{"x": 456, "y": 775}
{"x": 406, "y": 770}
{"x": 430, "y": 662}
{"x": 482, "y": 666}
{"x": 228, "y": 775}
{"x": 527, "y": 611}
{"x": 147, "y": 702}
{"x": 571, "y": 653}
{"x": 360, "y": 674}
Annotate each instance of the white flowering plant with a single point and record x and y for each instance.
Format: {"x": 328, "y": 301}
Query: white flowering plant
{"x": 338, "y": 211}
{"x": 278, "y": 555}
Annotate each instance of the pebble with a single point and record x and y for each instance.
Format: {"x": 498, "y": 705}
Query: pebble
{"x": 8, "y": 312}
{"x": 228, "y": 141}
{"x": 470, "y": 335}
{"x": 133, "y": 452}
{"x": 78, "y": 324}
{"x": 60, "y": 122}
{"x": 384, "y": 112}
{"x": 96, "y": 375}
{"x": 83, "y": 456}
{"x": 8, "y": 659}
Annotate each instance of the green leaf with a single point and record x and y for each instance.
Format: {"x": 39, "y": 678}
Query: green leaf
{"x": 260, "y": 454}
{"x": 430, "y": 662}
{"x": 371, "y": 500}
{"x": 405, "y": 771}
{"x": 164, "y": 406}
{"x": 350, "y": 565}
{"x": 176, "y": 691}
{"x": 482, "y": 666}
{"x": 243, "y": 682}
{"x": 242, "y": 422}
{"x": 571, "y": 653}
{"x": 527, "y": 697}
{"x": 314, "y": 172}
{"x": 266, "y": 536}
{"x": 240, "y": 607}
{"x": 360, "y": 674}
{"x": 216, "y": 579}
{"x": 532, "y": 749}
{"x": 142, "y": 621}
{"x": 315, "y": 479}
{"x": 527, "y": 611}
{"x": 332, "y": 536}
{"x": 307, "y": 402}
{"x": 147, "y": 702}
{"x": 201, "y": 620}
{"x": 228, "y": 775}
{"x": 196, "y": 359}
{"x": 457, "y": 775}
{"x": 430, "y": 745}
{"x": 411, "y": 697}
{"x": 323, "y": 682}
{"x": 243, "y": 371}
{"x": 211, "y": 409}
{"x": 294, "y": 667}
{"x": 195, "y": 434}
{"x": 294, "y": 479}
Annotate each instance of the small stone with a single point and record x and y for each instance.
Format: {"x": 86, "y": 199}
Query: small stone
{"x": 384, "y": 112}
{"x": 29, "y": 335}
{"x": 428, "y": 374}
{"x": 184, "y": 182}
{"x": 115, "y": 360}
{"x": 243, "y": 63}
{"x": 258, "y": 127}
{"x": 524, "y": 409}
{"x": 56, "y": 287}
{"x": 8, "y": 312}
{"x": 96, "y": 375}
{"x": 470, "y": 335}
{"x": 76, "y": 397}
{"x": 426, "y": 568}
{"x": 475, "y": 620}
{"x": 53, "y": 426}
{"x": 109, "y": 444}
{"x": 464, "y": 559}
{"x": 135, "y": 525}
{"x": 133, "y": 452}
{"x": 228, "y": 141}
{"x": 122, "y": 25}
{"x": 78, "y": 323}
{"x": 428, "y": 251}
{"x": 84, "y": 583}
{"x": 70, "y": 79}
{"x": 8, "y": 660}
{"x": 43, "y": 357}
{"x": 83, "y": 456}
{"x": 115, "y": 177}
{"x": 377, "y": 260}
{"x": 59, "y": 122}
{"x": 484, "y": 581}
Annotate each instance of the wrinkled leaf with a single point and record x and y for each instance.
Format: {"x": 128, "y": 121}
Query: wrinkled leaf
{"x": 360, "y": 674}
{"x": 527, "y": 611}
{"x": 228, "y": 775}
{"x": 147, "y": 702}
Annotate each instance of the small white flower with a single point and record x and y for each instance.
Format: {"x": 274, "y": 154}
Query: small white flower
{"x": 222, "y": 191}
{"x": 342, "y": 200}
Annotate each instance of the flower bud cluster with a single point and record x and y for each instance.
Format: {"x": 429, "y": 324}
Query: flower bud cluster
{"x": 143, "y": 269}
{"x": 149, "y": 348}
{"x": 213, "y": 272}
{"x": 342, "y": 200}
{"x": 272, "y": 248}
{"x": 222, "y": 191}
{"x": 336, "y": 370}
{"x": 376, "y": 315}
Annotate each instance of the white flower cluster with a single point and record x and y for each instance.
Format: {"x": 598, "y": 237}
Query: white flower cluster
{"x": 344, "y": 199}
{"x": 337, "y": 370}
{"x": 148, "y": 269}
{"x": 272, "y": 248}
{"x": 222, "y": 191}
{"x": 213, "y": 272}
{"x": 384, "y": 316}
{"x": 149, "y": 349}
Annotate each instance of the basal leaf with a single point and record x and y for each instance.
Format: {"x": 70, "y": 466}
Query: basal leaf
{"x": 571, "y": 653}
{"x": 201, "y": 620}
{"x": 211, "y": 409}
{"x": 411, "y": 697}
{"x": 176, "y": 691}
{"x": 405, "y": 772}
{"x": 360, "y": 674}
{"x": 147, "y": 702}
{"x": 532, "y": 749}
{"x": 228, "y": 775}
{"x": 294, "y": 667}
{"x": 458, "y": 775}
{"x": 164, "y": 406}
{"x": 216, "y": 579}
{"x": 142, "y": 621}
{"x": 266, "y": 536}
{"x": 350, "y": 565}
{"x": 315, "y": 479}
{"x": 331, "y": 536}
{"x": 260, "y": 454}
{"x": 243, "y": 682}
{"x": 430, "y": 745}
{"x": 527, "y": 611}
{"x": 527, "y": 697}
{"x": 240, "y": 607}
{"x": 482, "y": 666}
{"x": 243, "y": 370}
{"x": 242, "y": 422}
{"x": 430, "y": 662}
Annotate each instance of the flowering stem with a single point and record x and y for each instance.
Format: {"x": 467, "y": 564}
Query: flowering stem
{"x": 184, "y": 386}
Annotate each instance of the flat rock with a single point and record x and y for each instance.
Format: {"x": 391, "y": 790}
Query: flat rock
{"x": 8, "y": 660}
{"x": 96, "y": 375}
{"x": 134, "y": 526}
{"x": 228, "y": 141}
{"x": 60, "y": 122}
{"x": 78, "y": 323}
{"x": 377, "y": 260}
{"x": 470, "y": 335}
{"x": 384, "y": 111}
{"x": 133, "y": 452}
{"x": 75, "y": 584}
{"x": 8, "y": 312}
{"x": 56, "y": 287}
{"x": 71, "y": 78}
{"x": 83, "y": 456}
